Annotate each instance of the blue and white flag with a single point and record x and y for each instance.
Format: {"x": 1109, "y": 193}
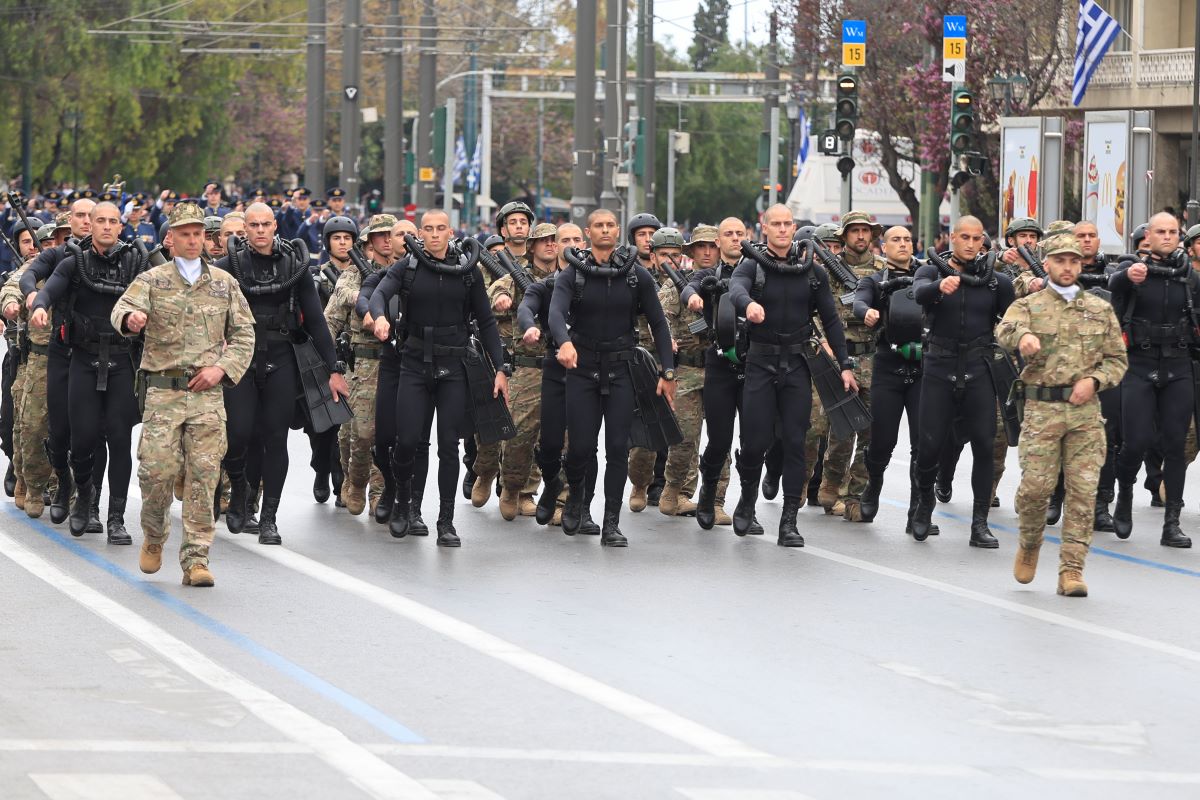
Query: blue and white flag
{"x": 473, "y": 174}
{"x": 460, "y": 159}
{"x": 805, "y": 135}
{"x": 1097, "y": 30}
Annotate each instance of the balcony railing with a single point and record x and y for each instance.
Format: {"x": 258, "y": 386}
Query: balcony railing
{"x": 1144, "y": 69}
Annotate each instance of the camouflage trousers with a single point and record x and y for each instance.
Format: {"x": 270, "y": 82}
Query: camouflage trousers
{"x": 1000, "y": 450}
{"x": 1190, "y": 445}
{"x": 488, "y": 456}
{"x": 517, "y": 470}
{"x": 356, "y": 438}
{"x": 818, "y": 429}
{"x": 185, "y": 430}
{"x": 32, "y": 425}
{"x": 683, "y": 459}
{"x": 845, "y": 471}
{"x": 1060, "y": 437}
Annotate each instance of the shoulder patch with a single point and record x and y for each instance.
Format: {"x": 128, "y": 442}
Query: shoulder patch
{"x": 219, "y": 288}
{"x": 162, "y": 282}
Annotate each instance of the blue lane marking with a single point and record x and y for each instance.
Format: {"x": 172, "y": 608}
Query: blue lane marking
{"x": 996, "y": 526}
{"x": 349, "y": 702}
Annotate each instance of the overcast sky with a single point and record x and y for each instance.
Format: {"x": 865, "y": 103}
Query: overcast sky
{"x": 681, "y": 13}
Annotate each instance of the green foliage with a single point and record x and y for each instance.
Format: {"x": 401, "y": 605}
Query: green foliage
{"x": 719, "y": 177}
{"x": 711, "y": 26}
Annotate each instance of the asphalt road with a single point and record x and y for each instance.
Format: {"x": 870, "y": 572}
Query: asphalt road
{"x": 528, "y": 664}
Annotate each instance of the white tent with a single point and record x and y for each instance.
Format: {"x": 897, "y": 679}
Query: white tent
{"x": 817, "y": 193}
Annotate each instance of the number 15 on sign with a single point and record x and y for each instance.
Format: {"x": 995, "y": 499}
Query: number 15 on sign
{"x": 854, "y": 55}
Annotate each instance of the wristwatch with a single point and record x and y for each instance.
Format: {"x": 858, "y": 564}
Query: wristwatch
{"x": 506, "y": 368}
{"x": 339, "y": 367}
{"x": 667, "y": 374}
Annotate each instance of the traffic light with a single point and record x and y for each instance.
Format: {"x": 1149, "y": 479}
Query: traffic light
{"x": 847, "y": 107}
{"x": 962, "y": 122}
{"x": 633, "y": 149}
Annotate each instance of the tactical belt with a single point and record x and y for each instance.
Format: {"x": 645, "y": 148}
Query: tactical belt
{"x": 40, "y": 349}
{"x": 1143, "y": 336}
{"x": 689, "y": 358}
{"x": 860, "y": 348}
{"x": 1049, "y": 394}
{"x": 174, "y": 379}
{"x": 527, "y": 361}
{"x": 271, "y": 335}
{"x": 430, "y": 351}
{"x": 784, "y": 344}
{"x": 101, "y": 349}
{"x": 944, "y": 346}
{"x": 602, "y": 354}
{"x": 368, "y": 351}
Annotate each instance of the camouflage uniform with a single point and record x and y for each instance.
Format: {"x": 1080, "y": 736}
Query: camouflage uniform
{"x": 357, "y": 437}
{"x": 188, "y": 327}
{"x": 1079, "y": 339}
{"x": 31, "y": 420}
{"x": 845, "y": 472}
{"x": 519, "y": 475}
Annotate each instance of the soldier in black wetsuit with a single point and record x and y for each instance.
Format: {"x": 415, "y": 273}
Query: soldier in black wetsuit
{"x": 274, "y": 275}
{"x": 441, "y": 292}
{"x": 593, "y": 318}
{"x": 779, "y": 295}
{"x": 886, "y": 302}
{"x": 957, "y": 389}
{"x": 1156, "y": 299}
{"x": 101, "y": 405}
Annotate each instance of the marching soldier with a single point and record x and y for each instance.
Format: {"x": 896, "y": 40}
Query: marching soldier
{"x": 27, "y": 351}
{"x": 199, "y": 335}
{"x": 518, "y": 478}
{"x": 1071, "y": 342}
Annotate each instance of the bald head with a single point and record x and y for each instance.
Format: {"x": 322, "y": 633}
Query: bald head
{"x": 967, "y": 221}
{"x": 897, "y": 245}
{"x": 1162, "y": 234}
{"x": 106, "y": 208}
{"x": 260, "y": 227}
{"x": 730, "y": 234}
{"x": 81, "y": 218}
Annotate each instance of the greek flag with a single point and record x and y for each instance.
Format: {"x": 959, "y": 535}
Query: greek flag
{"x": 1097, "y": 30}
{"x": 802, "y": 156}
{"x": 473, "y": 174}
{"x": 460, "y": 159}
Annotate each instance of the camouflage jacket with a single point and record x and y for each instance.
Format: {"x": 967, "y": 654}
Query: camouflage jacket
{"x": 862, "y": 266}
{"x": 190, "y": 327}
{"x": 1079, "y": 339}
{"x": 11, "y": 293}
{"x": 690, "y": 346}
{"x": 507, "y": 321}
{"x": 339, "y": 311}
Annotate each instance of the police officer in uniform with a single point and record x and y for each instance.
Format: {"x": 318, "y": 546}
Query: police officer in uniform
{"x": 779, "y": 303}
{"x": 1156, "y": 300}
{"x": 441, "y": 291}
{"x": 101, "y": 402}
{"x": 1071, "y": 342}
{"x": 593, "y": 317}
{"x": 961, "y": 308}
{"x": 274, "y": 277}
{"x": 199, "y": 335}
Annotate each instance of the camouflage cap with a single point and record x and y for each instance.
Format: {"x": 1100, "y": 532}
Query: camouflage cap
{"x": 62, "y": 221}
{"x": 1061, "y": 243}
{"x": 702, "y": 234}
{"x": 1060, "y": 226}
{"x": 381, "y": 223}
{"x": 544, "y": 230}
{"x": 46, "y": 232}
{"x": 859, "y": 218}
{"x": 185, "y": 214}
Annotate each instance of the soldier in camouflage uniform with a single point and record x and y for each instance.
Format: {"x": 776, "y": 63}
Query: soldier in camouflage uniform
{"x": 199, "y": 336}
{"x": 845, "y": 474}
{"x": 358, "y": 435}
{"x": 517, "y": 470}
{"x": 1072, "y": 345}
{"x": 683, "y": 459}
{"x": 31, "y": 467}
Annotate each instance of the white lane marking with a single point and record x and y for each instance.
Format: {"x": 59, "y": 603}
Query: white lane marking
{"x": 459, "y": 790}
{"x": 1051, "y": 617}
{"x": 628, "y": 705}
{"x": 1115, "y": 775}
{"x": 365, "y": 770}
{"x": 145, "y": 746}
{"x": 101, "y": 786}
{"x": 740, "y": 794}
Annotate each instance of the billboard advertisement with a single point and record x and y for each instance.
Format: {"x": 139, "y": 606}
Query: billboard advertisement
{"x": 1021, "y": 169}
{"x": 1106, "y": 178}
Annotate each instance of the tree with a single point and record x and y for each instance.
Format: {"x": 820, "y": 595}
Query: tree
{"x": 711, "y": 26}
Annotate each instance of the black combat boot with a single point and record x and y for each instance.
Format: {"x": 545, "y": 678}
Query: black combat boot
{"x": 235, "y": 513}
{"x": 981, "y": 535}
{"x": 268, "y": 530}
{"x": 60, "y": 503}
{"x": 914, "y": 495}
{"x": 469, "y": 476}
{"x": 743, "y": 513}
{"x": 587, "y": 525}
{"x": 1123, "y": 511}
{"x": 400, "y": 524}
{"x": 1103, "y": 520}
{"x": 572, "y": 515}
{"x": 252, "y": 513}
{"x": 868, "y": 504}
{"x": 1172, "y": 536}
{"x": 706, "y": 502}
{"x": 446, "y": 535}
{"x": 321, "y": 487}
{"x": 94, "y": 525}
{"x": 1054, "y": 510}
{"x": 337, "y": 478}
{"x": 923, "y": 513}
{"x": 116, "y": 522}
{"x": 552, "y": 484}
{"x": 416, "y": 525}
{"x": 770, "y": 484}
{"x": 81, "y": 509}
{"x": 943, "y": 490}
{"x": 10, "y": 479}
{"x": 788, "y": 535}
{"x": 610, "y": 534}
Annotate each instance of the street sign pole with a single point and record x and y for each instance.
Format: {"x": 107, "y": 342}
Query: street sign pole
{"x": 854, "y": 54}
{"x": 954, "y": 72}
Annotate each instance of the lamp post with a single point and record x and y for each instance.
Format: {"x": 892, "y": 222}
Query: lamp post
{"x": 1011, "y": 90}
{"x": 794, "y": 134}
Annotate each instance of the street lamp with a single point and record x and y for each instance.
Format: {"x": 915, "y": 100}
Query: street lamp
{"x": 1011, "y": 90}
